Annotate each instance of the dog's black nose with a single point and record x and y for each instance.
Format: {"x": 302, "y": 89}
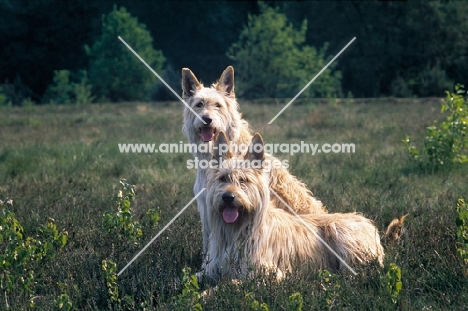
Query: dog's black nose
{"x": 207, "y": 119}
{"x": 228, "y": 197}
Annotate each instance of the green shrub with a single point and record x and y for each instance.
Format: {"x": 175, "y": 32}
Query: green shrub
{"x": 60, "y": 91}
{"x": 127, "y": 302}
{"x": 392, "y": 282}
{"x": 446, "y": 143}
{"x": 14, "y": 94}
{"x": 122, "y": 223}
{"x": 190, "y": 297}
{"x": 253, "y": 304}
{"x": 330, "y": 287}
{"x": 151, "y": 219}
{"x": 82, "y": 89}
{"x": 109, "y": 270}
{"x": 432, "y": 81}
{"x": 63, "y": 302}
{"x": 401, "y": 87}
{"x": 273, "y": 61}
{"x": 462, "y": 231}
{"x": 69, "y": 88}
{"x": 23, "y": 256}
{"x": 116, "y": 73}
{"x": 295, "y": 302}
{"x": 4, "y": 100}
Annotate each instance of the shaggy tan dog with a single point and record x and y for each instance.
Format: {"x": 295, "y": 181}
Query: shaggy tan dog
{"x": 250, "y": 231}
{"x": 219, "y": 110}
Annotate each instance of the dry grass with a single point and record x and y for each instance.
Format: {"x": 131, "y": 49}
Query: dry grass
{"x": 64, "y": 162}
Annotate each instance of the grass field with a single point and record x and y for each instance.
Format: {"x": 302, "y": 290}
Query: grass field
{"x": 64, "y": 163}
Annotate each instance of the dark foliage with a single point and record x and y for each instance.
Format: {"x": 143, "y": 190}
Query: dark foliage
{"x": 403, "y": 48}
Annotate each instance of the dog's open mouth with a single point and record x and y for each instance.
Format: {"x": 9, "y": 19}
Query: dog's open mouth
{"x": 230, "y": 213}
{"x": 207, "y": 133}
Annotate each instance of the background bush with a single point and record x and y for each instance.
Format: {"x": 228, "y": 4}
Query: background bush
{"x": 272, "y": 60}
{"x": 69, "y": 88}
{"x": 115, "y": 73}
{"x": 445, "y": 143}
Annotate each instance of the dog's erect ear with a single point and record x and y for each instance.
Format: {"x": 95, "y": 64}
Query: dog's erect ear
{"x": 189, "y": 83}
{"x": 226, "y": 82}
{"x": 256, "y": 148}
{"x": 221, "y": 147}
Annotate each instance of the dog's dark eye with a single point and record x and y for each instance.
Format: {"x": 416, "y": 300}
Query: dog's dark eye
{"x": 199, "y": 105}
{"x": 218, "y": 105}
{"x": 242, "y": 180}
{"x": 223, "y": 179}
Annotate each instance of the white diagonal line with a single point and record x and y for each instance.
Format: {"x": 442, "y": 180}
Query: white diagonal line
{"x": 310, "y": 82}
{"x": 313, "y": 231}
{"x": 162, "y": 230}
{"x": 162, "y": 80}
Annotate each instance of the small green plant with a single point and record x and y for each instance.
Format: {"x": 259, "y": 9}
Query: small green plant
{"x": 109, "y": 270}
{"x": 462, "y": 231}
{"x": 330, "y": 287}
{"x": 295, "y": 302}
{"x": 122, "y": 222}
{"x": 392, "y": 282}
{"x": 23, "y": 256}
{"x": 253, "y": 304}
{"x": 151, "y": 218}
{"x": 447, "y": 142}
{"x": 64, "y": 303}
{"x": 189, "y": 299}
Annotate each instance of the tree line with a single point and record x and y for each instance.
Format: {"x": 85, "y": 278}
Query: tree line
{"x": 403, "y": 49}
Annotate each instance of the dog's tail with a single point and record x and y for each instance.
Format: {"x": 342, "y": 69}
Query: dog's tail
{"x": 395, "y": 229}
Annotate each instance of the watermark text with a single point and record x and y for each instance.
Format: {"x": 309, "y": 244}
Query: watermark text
{"x": 271, "y": 148}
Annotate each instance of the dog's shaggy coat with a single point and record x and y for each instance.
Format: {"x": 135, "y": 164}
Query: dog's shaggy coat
{"x": 218, "y": 108}
{"x": 249, "y": 230}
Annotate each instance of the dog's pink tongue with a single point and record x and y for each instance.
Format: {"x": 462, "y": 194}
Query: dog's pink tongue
{"x": 230, "y": 214}
{"x": 207, "y": 133}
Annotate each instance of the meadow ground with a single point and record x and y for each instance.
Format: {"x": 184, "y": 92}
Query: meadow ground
{"x": 63, "y": 162}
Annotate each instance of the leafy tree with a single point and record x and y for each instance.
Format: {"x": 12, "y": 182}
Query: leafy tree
{"x": 114, "y": 71}
{"x": 273, "y": 61}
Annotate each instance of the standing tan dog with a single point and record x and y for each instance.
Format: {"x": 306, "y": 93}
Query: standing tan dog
{"x": 218, "y": 108}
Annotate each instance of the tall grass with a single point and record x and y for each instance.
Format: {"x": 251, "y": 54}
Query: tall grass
{"x": 63, "y": 162}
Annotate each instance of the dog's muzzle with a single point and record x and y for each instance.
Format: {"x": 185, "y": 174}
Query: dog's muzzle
{"x": 229, "y": 210}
